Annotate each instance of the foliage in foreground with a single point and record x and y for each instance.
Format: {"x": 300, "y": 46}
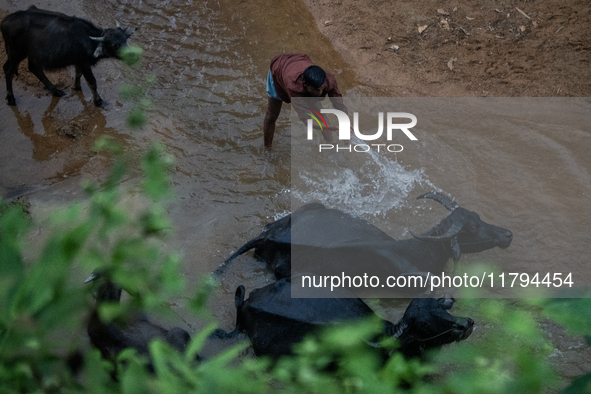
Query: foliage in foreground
{"x": 42, "y": 303}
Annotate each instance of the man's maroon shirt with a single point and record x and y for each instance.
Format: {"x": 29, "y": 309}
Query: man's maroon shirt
{"x": 288, "y": 76}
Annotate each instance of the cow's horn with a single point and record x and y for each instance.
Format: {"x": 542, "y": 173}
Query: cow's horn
{"x": 117, "y": 22}
{"x": 452, "y": 232}
{"x": 101, "y": 39}
{"x": 375, "y": 345}
{"x": 442, "y": 199}
{"x": 399, "y": 330}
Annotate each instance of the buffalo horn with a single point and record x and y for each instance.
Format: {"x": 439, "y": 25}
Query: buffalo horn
{"x": 452, "y": 232}
{"x": 399, "y": 331}
{"x": 101, "y": 39}
{"x": 375, "y": 345}
{"x": 92, "y": 277}
{"x": 442, "y": 199}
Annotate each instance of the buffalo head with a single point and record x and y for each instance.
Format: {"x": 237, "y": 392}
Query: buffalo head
{"x": 464, "y": 230}
{"x": 427, "y": 324}
{"x": 111, "y": 42}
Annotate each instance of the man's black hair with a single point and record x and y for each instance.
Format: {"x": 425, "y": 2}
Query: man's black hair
{"x": 314, "y": 76}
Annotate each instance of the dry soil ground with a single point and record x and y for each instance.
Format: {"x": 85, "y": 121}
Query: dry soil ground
{"x": 463, "y": 48}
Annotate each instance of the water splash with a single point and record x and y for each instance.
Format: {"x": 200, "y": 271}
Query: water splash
{"x": 374, "y": 188}
{"x": 279, "y": 215}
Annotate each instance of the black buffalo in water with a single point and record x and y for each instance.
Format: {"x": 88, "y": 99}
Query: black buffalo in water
{"x": 328, "y": 241}
{"x": 52, "y": 40}
{"x": 274, "y": 321}
{"x": 111, "y": 338}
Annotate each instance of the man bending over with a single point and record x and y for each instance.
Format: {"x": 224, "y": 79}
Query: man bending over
{"x": 294, "y": 75}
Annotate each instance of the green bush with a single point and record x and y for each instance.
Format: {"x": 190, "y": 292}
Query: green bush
{"x": 135, "y": 93}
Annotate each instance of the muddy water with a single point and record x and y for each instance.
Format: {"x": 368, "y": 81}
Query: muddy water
{"x": 210, "y": 60}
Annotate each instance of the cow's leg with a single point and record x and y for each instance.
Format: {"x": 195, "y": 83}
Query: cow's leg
{"x": 10, "y": 69}
{"x": 38, "y": 71}
{"x": 87, "y": 72}
{"x": 77, "y": 79}
{"x": 15, "y": 53}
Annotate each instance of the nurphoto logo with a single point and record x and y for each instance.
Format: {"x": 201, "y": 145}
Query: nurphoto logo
{"x": 345, "y": 130}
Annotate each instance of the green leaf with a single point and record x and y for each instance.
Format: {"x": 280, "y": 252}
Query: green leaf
{"x": 581, "y": 385}
{"x": 130, "y": 54}
{"x": 197, "y": 342}
{"x": 573, "y": 313}
{"x": 137, "y": 118}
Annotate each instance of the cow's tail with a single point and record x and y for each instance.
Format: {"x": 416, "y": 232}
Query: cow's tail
{"x": 253, "y": 243}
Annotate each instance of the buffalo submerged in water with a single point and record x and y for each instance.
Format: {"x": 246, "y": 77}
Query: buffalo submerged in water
{"x": 329, "y": 241}
{"x": 274, "y": 321}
